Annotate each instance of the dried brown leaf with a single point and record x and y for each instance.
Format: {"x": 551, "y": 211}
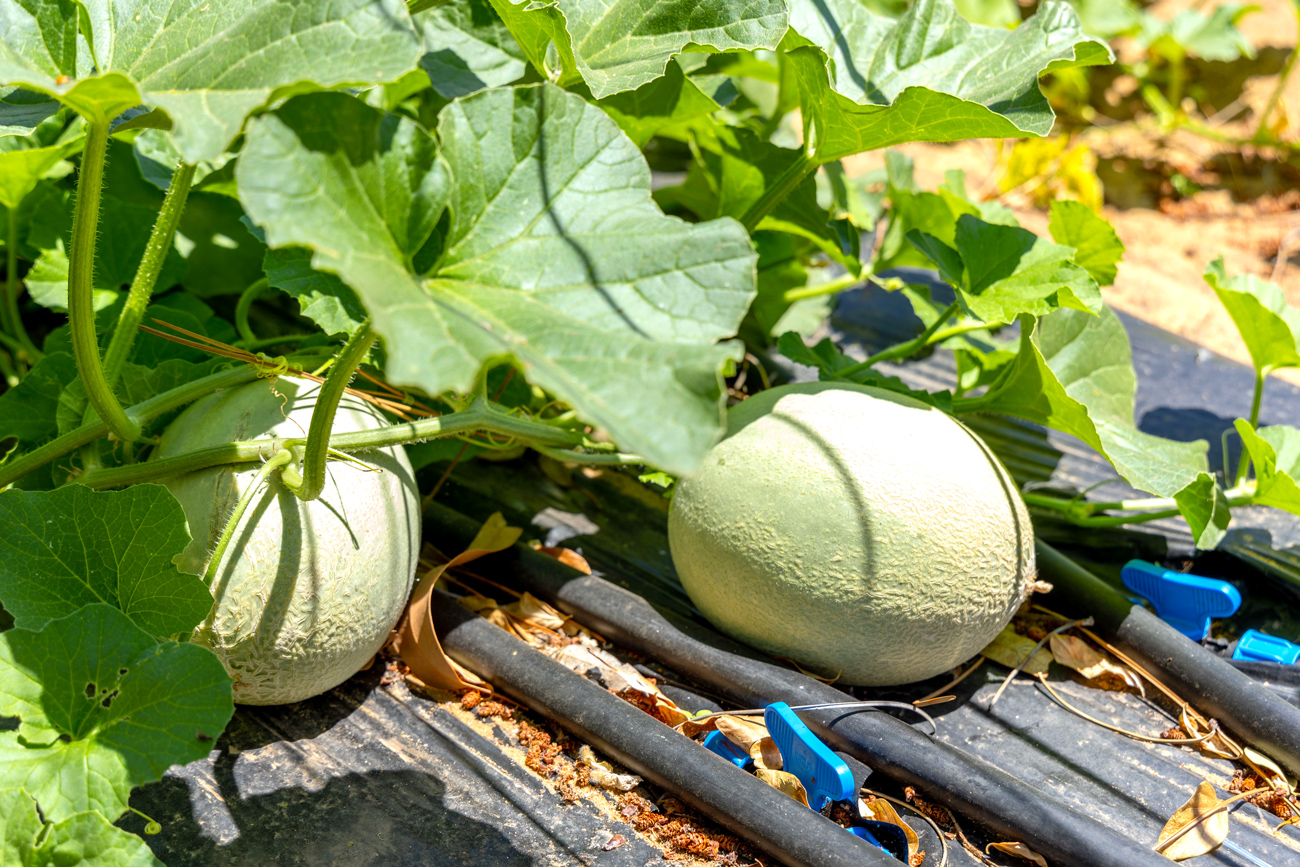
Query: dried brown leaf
{"x": 1267, "y": 769}
{"x": 533, "y": 610}
{"x": 883, "y": 811}
{"x": 784, "y": 781}
{"x": 766, "y": 754}
{"x": 1020, "y": 850}
{"x": 742, "y": 732}
{"x": 1010, "y": 649}
{"x": 1208, "y": 834}
{"x": 568, "y": 557}
{"x": 1077, "y": 654}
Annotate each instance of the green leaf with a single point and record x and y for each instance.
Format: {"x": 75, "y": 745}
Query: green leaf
{"x": 1268, "y": 326}
{"x": 19, "y": 826}
{"x": 1192, "y": 32}
{"x": 1097, "y": 249}
{"x": 657, "y": 105}
{"x": 21, "y": 169}
{"x": 322, "y": 297}
{"x": 1205, "y": 508}
{"x": 1000, "y": 272}
{"x": 157, "y": 156}
{"x": 617, "y": 45}
{"x": 21, "y": 111}
{"x": 1275, "y": 453}
{"x": 71, "y": 547}
{"x": 555, "y": 254}
{"x": 870, "y": 82}
{"x": 779, "y": 270}
{"x": 103, "y": 708}
{"x": 993, "y": 13}
{"x": 206, "y": 70}
{"x": 27, "y": 410}
{"x": 1074, "y": 373}
{"x": 89, "y": 840}
{"x": 830, "y": 363}
{"x": 467, "y": 47}
{"x": 1108, "y": 18}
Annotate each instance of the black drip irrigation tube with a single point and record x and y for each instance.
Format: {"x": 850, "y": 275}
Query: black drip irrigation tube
{"x": 946, "y": 774}
{"x": 1265, "y": 720}
{"x": 740, "y": 803}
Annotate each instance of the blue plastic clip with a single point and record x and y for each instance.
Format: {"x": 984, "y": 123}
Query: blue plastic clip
{"x": 716, "y": 742}
{"x": 1258, "y": 647}
{"x": 1185, "y": 602}
{"x": 824, "y": 775}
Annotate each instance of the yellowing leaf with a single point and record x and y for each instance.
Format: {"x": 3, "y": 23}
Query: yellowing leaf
{"x": 742, "y": 732}
{"x": 766, "y": 754}
{"x": 1010, "y": 649}
{"x": 883, "y": 811}
{"x": 783, "y": 781}
{"x": 1205, "y": 837}
{"x": 537, "y": 612}
{"x": 1020, "y": 850}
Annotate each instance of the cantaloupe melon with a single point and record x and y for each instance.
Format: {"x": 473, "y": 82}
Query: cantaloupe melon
{"x": 307, "y": 592}
{"x": 855, "y": 531}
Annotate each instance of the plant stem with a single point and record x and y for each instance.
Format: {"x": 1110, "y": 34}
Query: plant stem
{"x": 479, "y": 416}
{"x": 246, "y": 299}
{"x": 81, "y": 275}
{"x": 902, "y": 350}
{"x": 1243, "y": 463}
{"x": 276, "y": 461}
{"x": 830, "y": 287}
{"x": 263, "y": 342}
{"x": 8, "y": 370}
{"x": 146, "y": 276}
{"x": 1276, "y": 95}
{"x": 142, "y": 412}
{"x": 322, "y": 414}
{"x": 12, "y": 318}
{"x": 1084, "y": 513}
{"x": 799, "y": 170}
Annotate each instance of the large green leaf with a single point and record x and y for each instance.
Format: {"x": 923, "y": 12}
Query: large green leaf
{"x": 555, "y": 254}
{"x": 22, "y": 168}
{"x": 206, "y": 67}
{"x": 71, "y": 547}
{"x": 467, "y": 48}
{"x": 1268, "y": 325}
{"x": 103, "y": 708}
{"x": 322, "y": 297}
{"x": 619, "y": 45}
{"x": 1000, "y": 272}
{"x": 81, "y": 840}
{"x": 658, "y": 105}
{"x": 19, "y": 825}
{"x": 1275, "y": 453}
{"x": 869, "y": 81}
{"x": 1074, "y": 373}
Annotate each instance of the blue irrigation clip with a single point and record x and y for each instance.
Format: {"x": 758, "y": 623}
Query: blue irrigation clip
{"x": 1186, "y": 602}
{"x": 716, "y": 742}
{"x": 1257, "y": 647}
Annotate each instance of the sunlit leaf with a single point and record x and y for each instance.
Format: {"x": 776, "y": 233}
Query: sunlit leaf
{"x": 1275, "y": 453}
{"x": 1019, "y": 850}
{"x": 555, "y": 255}
{"x": 72, "y": 547}
{"x": 103, "y": 708}
{"x": 1097, "y": 248}
{"x": 1268, "y": 325}
{"x": 1014, "y": 650}
{"x": 784, "y": 782}
{"x": 207, "y": 71}
{"x": 657, "y": 105}
{"x": 467, "y": 47}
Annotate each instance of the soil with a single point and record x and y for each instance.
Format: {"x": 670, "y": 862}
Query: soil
{"x": 1247, "y": 207}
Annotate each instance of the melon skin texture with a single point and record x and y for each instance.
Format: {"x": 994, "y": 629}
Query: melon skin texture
{"x": 307, "y": 592}
{"x": 855, "y": 531}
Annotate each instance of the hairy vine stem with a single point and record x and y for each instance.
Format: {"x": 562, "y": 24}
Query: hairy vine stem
{"x": 311, "y": 481}
{"x": 12, "y": 321}
{"x": 478, "y": 416}
{"x": 279, "y": 459}
{"x": 146, "y": 276}
{"x": 903, "y": 350}
{"x": 796, "y": 173}
{"x": 1086, "y": 514}
{"x": 81, "y": 276}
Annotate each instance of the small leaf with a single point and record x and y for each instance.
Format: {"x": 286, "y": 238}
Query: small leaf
{"x": 1208, "y": 834}
{"x": 1268, "y": 769}
{"x": 1075, "y": 653}
{"x": 1268, "y": 325}
{"x": 103, "y": 708}
{"x": 22, "y": 168}
{"x": 766, "y": 754}
{"x": 785, "y": 782}
{"x": 71, "y": 547}
{"x": 1205, "y": 508}
{"x": 19, "y": 825}
{"x": 89, "y": 840}
{"x": 741, "y": 731}
{"x": 322, "y": 297}
{"x": 1097, "y": 249}
{"x": 1019, "y": 850}
{"x": 1275, "y": 453}
{"x": 1013, "y": 650}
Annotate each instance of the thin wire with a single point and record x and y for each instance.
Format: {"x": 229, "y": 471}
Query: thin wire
{"x": 861, "y": 705}
{"x": 1214, "y": 725}
{"x": 1087, "y": 621}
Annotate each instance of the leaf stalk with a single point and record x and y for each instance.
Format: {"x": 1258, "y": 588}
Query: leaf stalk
{"x": 904, "y": 349}
{"x": 799, "y": 170}
{"x": 12, "y": 320}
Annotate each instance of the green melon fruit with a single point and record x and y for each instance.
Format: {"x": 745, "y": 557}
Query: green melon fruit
{"x": 855, "y": 531}
{"x": 307, "y": 592}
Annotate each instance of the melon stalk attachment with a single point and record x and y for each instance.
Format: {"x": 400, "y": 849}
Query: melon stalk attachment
{"x": 308, "y": 484}
{"x": 279, "y": 459}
